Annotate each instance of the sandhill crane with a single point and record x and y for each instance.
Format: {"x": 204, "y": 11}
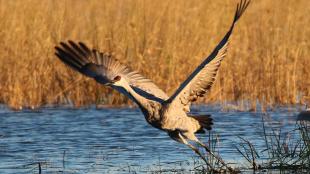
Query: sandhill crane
{"x": 170, "y": 114}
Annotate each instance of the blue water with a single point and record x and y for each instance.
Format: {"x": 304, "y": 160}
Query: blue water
{"x": 117, "y": 140}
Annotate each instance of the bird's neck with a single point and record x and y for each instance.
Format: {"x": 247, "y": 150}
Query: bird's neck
{"x": 140, "y": 100}
{"x": 148, "y": 107}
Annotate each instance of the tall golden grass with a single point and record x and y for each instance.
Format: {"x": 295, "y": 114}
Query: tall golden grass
{"x": 268, "y": 59}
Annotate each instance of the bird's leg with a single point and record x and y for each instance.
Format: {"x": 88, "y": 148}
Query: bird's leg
{"x": 201, "y": 156}
{"x": 183, "y": 140}
{"x": 215, "y": 156}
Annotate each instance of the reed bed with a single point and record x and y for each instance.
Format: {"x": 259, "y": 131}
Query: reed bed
{"x": 267, "y": 62}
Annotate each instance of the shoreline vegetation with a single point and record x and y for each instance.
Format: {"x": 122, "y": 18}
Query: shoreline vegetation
{"x": 267, "y": 61}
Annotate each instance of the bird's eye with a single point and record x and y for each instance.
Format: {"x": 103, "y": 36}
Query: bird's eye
{"x": 117, "y": 78}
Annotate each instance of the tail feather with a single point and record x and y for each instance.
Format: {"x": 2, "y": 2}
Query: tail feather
{"x": 205, "y": 122}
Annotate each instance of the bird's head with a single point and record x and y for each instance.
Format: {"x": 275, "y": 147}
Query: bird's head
{"x": 117, "y": 80}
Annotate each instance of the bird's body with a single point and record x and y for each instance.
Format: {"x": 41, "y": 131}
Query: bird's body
{"x": 170, "y": 114}
{"x": 162, "y": 115}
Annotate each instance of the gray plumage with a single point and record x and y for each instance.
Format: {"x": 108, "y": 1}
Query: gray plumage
{"x": 170, "y": 114}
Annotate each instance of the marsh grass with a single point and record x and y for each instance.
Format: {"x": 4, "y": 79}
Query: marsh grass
{"x": 248, "y": 152}
{"x": 267, "y": 61}
{"x": 213, "y": 164}
{"x": 286, "y": 151}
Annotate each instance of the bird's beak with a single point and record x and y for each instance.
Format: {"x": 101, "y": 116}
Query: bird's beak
{"x": 111, "y": 82}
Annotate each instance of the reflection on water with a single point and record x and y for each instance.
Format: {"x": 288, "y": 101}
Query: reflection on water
{"x": 115, "y": 140}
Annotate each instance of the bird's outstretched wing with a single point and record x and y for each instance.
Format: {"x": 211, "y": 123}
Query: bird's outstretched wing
{"x": 201, "y": 80}
{"x": 103, "y": 68}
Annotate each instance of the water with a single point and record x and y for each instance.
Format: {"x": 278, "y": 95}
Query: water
{"x": 116, "y": 140}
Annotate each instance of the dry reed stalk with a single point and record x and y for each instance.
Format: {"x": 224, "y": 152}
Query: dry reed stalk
{"x": 267, "y": 62}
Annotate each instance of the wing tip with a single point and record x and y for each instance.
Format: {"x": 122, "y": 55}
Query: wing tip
{"x": 241, "y": 7}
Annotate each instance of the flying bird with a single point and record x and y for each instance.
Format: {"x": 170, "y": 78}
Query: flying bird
{"x": 167, "y": 113}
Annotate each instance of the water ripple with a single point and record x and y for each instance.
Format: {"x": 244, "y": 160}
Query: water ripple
{"x": 113, "y": 140}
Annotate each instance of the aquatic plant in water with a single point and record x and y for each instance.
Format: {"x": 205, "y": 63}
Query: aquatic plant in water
{"x": 285, "y": 150}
